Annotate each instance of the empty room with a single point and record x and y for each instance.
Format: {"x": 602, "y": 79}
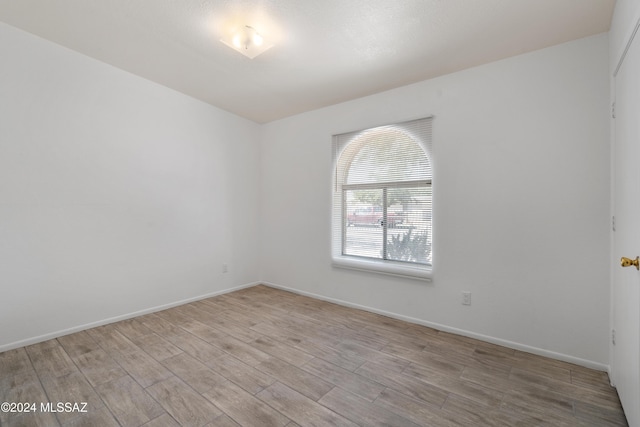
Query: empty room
{"x": 319, "y": 213}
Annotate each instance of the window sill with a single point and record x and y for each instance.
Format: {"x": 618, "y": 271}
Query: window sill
{"x": 384, "y": 267}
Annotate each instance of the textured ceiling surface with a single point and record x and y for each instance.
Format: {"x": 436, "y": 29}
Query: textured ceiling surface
{"x": 326, "y": 51}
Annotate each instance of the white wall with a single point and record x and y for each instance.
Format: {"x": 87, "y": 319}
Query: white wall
{"x": 521, "y": 206}
{"x": 116, "y": 194}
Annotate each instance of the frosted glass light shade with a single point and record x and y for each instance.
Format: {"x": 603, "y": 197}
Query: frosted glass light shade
{"x": 247, "y": 41}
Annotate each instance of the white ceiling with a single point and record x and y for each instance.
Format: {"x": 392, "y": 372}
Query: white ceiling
{"x": 326, "y": 51}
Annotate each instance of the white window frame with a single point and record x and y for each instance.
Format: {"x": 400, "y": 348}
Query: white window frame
{"x": 339, "y": 215}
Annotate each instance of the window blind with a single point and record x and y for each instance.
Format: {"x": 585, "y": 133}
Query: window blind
{"x": 382, "y": 201}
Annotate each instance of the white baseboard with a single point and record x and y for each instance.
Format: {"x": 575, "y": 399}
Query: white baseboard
{"x": 56, "y": 334}
{"x": 510, "y": 344}
{"x": 505, "y": 343}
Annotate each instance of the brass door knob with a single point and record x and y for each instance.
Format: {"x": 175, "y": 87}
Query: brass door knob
{"x": 626, "y": 262}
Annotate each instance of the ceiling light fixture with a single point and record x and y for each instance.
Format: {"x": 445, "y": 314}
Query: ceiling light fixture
{"x": 247, "y": 41}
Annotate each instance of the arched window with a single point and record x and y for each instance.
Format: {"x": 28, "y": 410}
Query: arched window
{"x": 382, "y": 200}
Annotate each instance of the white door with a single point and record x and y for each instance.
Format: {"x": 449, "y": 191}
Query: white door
{"x": 626, "y": 240}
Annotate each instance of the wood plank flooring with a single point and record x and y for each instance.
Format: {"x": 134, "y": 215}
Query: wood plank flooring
{"x": 265, "y": 357}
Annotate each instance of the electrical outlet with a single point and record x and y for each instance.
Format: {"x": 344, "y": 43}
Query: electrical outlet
{"x": 225, "y": 267}
{"x": 613, "y": 336}
{"x": 466, "y": 298}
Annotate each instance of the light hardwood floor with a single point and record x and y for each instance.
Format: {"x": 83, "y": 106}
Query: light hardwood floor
{"x": 265, "y": 357}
